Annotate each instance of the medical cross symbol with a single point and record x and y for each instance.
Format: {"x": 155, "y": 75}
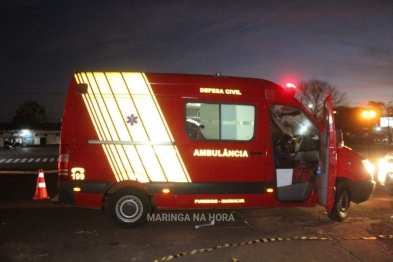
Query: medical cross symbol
{"x": 132, "y": 119}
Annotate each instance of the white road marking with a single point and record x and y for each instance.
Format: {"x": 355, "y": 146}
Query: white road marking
{"x": 27, "y": 160}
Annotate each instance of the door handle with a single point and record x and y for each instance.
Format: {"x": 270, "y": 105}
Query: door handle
{"x": 256, "y": 153}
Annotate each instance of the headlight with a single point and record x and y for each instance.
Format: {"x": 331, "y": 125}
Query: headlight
{"x": 369, "y": 167}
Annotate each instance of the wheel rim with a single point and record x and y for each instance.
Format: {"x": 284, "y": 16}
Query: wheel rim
{"x": 343, "y": 203}
{"x": 129, "y": 209}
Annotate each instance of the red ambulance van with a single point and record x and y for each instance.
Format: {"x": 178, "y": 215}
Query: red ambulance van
{"x": 136, "y": 141}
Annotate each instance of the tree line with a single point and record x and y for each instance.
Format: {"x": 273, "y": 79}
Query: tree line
{"x": 312, "y": 94}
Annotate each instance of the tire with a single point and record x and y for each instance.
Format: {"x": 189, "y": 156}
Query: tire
{"x": 342, "y": 201}
{"x": 129, "y": 207}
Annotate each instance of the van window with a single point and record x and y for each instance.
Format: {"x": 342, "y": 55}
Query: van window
{"x": 295, "y": 138}
{"x": 208, "y": 121}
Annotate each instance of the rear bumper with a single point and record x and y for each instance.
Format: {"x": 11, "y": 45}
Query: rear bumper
{"x": 362, "y": 190}
{"x": 68, "y": 195}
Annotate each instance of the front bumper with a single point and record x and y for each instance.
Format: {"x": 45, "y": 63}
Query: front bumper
{"x": 362, "y": 190}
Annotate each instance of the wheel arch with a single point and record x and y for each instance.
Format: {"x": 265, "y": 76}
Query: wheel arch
{"x": 131, "y": 184}
{"x": 349, "y": 183}
{"x": 342, "y": 199}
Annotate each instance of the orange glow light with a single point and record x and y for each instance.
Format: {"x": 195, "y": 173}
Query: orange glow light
{"x": 368, "y": 114}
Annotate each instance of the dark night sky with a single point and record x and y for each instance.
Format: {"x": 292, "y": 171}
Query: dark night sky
{"x": 347, "y": 43}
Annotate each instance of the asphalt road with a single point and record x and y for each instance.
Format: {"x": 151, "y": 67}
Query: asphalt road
{"x": 37, "y": 230}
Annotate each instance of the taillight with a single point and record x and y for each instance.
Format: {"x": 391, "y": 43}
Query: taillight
{"x": 62, "y": 164}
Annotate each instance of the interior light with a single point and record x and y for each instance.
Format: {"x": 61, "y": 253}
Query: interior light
{"x": 270, "y": 190}
{"x": 166, "y": 191}
{"x": 76, "y": 189}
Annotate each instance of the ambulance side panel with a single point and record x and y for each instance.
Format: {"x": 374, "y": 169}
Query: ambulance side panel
{"x": 217, "y": 169}
{"x": 216, "y": 176}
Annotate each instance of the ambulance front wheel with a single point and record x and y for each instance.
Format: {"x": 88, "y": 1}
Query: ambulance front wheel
{"x": 129, "y": 207}
{"x": 342, "y": 202}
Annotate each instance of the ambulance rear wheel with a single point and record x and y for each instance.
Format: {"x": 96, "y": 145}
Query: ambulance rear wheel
{"x": 129, "y": 207}
{"x": 342, "y": 202}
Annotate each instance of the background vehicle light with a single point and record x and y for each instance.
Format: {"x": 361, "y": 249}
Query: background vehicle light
{"x": 385, "y": 166}
{"x": 166, "y": 191}
{"x": 382, "y": 165}
{"x": 76, "y": 189}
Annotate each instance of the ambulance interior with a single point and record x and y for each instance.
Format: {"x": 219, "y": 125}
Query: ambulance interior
{"x": 193, "y": 121}
{"x": 296, "y": 152}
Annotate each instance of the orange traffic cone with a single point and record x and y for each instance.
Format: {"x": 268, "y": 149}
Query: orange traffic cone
{"x": 40, "y": 192}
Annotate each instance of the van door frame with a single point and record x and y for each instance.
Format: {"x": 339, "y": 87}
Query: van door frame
{"x": 326, "y": 180}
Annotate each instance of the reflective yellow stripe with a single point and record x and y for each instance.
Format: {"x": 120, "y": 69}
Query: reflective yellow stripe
{"x": 131, "y": 127}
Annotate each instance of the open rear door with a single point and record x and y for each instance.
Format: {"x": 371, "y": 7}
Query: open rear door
{"x": 327, "y": 157}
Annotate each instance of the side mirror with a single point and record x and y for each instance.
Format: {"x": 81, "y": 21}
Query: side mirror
{"x": 339, "y": 138}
